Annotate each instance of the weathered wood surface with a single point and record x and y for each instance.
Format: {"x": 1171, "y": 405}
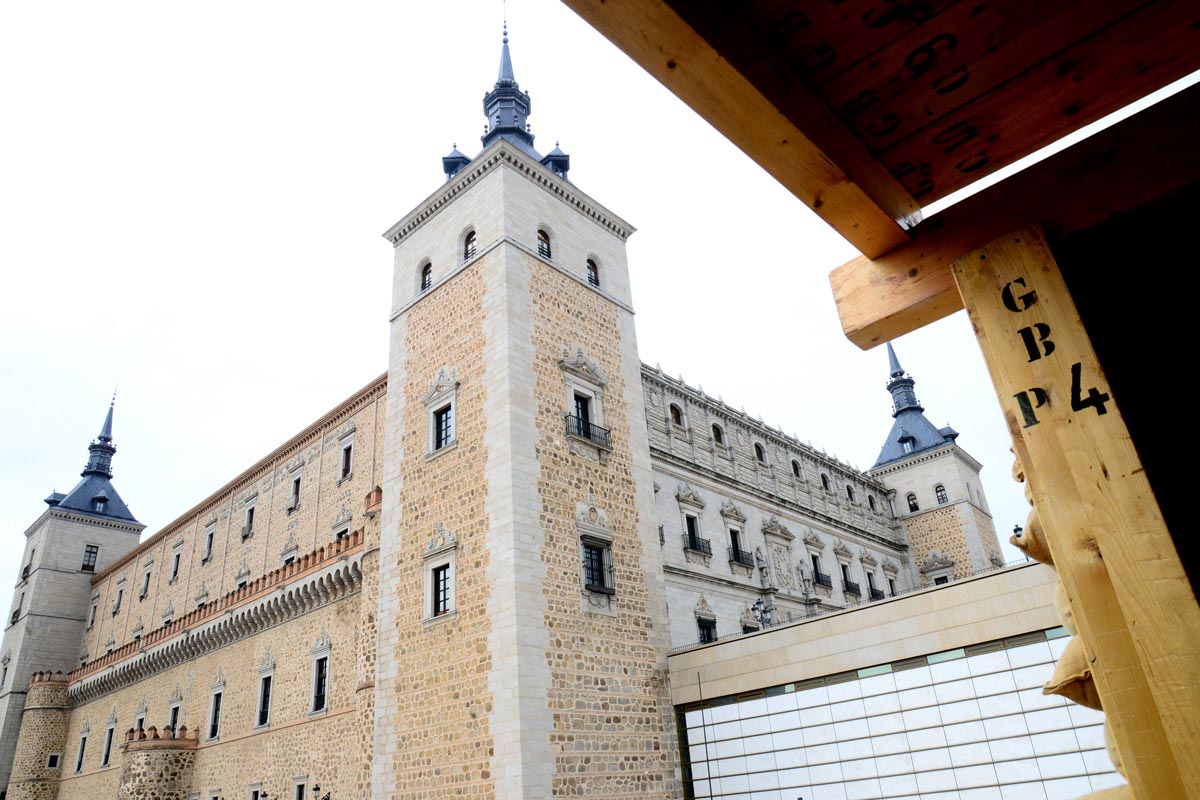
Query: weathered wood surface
{"x": 1127, "y": 589}
{"x": 1140, "y": 159}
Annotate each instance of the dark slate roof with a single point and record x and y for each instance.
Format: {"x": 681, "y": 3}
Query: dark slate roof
{"x": 93, "y": 486}
{"x": 910, "y": 423}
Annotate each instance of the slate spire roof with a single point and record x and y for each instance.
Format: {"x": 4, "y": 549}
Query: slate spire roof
{"x": 95, "y": 494}
{"x": 911, "y": 432}
{"x": 507, "y": 110}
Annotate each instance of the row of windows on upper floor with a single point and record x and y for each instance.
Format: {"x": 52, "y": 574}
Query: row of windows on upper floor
{"x": 470, "y": 248}
{"x": 939, "y": 491}
{"x": 760, "y": 454}
{"x": 318, "y": 702}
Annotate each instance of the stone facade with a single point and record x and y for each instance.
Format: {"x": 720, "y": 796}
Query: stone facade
{"x": 465, "y": 579}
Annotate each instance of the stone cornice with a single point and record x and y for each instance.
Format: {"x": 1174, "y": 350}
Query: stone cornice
{"x": 100, "y": 522}
{"x": 950, "y": 448}
{"x": 324, "y": 576}
{"x": 502, "y": 153}
{"x": 372, "y": 392}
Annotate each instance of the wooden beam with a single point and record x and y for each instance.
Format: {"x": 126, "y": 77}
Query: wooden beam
{"x": 855, "y": 195}
{"x": 1128, "y": 593}
{"x": 1140, "y": 159}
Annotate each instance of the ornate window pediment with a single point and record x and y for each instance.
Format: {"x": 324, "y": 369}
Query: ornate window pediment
{"x": 323, "y": 642}
{"x": 704, "y": 610}
{"x": 444, "y": 385}
{"x": 773, "y": 527}
{"x": 266, "y": 662}
{"x": 582, "y": 367}
{"x": 936, "y": 560}
{"x": 813, "y": 541}
{"x": 441, "y": 541}
{"x": 890, "y": 566}
{"x": 867, "y": 559}
{"x": 842, "y": 551}
{"x": 688, "y": 496}
{"x": 731, "y": 511}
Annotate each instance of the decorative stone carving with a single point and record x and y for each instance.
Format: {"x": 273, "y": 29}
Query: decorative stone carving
{"x": 290, "y": 547}
{"x": 704, "y": 610}
{"x": 688, "y": 496}
{"x": 219, "y": 681}
{"x": 731, "y": 511}
{"x": 995, "y": 558}
{"x": 773, "y": 527}
{"x": 748, "y": 620}
{"x": 582, "y": 367}
{"x": 441, "y": 541}
{"x": 202, "y": 595}
{"x": 177, "y": 695}
{"x": 445, "y": 383}
{"x": 813, "y": 541}
{"x": 323, "y": 641}
{"x": 890, "y": 567}
{"x": 112, "y": 718}
{"x": 936, "y": 560}
{"x": 168, "y": 613}
{"x": 782, "y": 556}
{"x": 266, "y": 662}
{"x": 841, "y": 551}
{"x": 343, "y": 518}
{"x": 866, "y": 558}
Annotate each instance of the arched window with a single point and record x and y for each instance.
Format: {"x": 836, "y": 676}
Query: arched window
{"x": 795, "y": 468}
{"x": 676, "y": 415}
{"x": 426, "y": 277}
{"x": 759, "y": 453}
{"x": 718, "y": 434}
{"x": 850, "y": 493}
{"x": 871, "y": 502}
{"x": 940, "y": 491}
{"x": 469, "y": 246}
{"x": 543, "y": 243}
{"x": 824, "y": 481}
{"x": 912, "y": 503}
{"x": 593, "y": 273}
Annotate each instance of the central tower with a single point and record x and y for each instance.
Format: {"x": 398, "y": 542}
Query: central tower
{"x": 522, "y": 649}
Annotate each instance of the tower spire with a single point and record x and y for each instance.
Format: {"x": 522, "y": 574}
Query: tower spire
{"x": 900, "y": 384}
{"x": 506, "y": 106}
{"x": 102, "y": 449}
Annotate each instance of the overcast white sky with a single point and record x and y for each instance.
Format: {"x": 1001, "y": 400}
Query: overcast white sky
{"x": 192, "y": 198}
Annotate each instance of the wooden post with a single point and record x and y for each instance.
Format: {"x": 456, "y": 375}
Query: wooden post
{"x": 1127, "y": 589}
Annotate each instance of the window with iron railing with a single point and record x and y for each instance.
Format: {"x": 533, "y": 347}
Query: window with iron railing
{"x": 543, "y": 244}
{"x": 581, "y": 428}
{"x": 876, "y": 594}
{"x": 593, "y": 273}
{"x": 694, "y": 542}
{"x": 851, "y": 587}
{"x": 737, "y": 556}
{"x": 597, "y": 567}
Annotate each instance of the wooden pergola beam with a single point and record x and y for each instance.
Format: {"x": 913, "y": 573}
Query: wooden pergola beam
{"x": 854, "y": 194}
{"x": 1138, "y": 160}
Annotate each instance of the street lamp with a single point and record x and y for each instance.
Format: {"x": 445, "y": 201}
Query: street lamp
{"x": 316, "y": 790}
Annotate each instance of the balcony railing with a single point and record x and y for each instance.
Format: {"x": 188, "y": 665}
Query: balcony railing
{"x": 696, "y": 543}
{"x": 601, "y": 437}
{"x": 821, "y": 579}
{"x": 876, "y": 594}
{"x": 739, "y": 556}
{"x": 850, "y": 587}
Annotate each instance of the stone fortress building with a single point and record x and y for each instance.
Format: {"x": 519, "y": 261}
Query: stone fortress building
{"x": 466, "y": 579}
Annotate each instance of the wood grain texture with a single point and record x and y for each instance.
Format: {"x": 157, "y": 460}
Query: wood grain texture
{"x": 1128, "y": 593}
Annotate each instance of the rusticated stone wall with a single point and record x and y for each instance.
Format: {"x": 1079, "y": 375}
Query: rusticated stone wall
{"x": 157, "y": 767}
{"x": 43, "y": 731}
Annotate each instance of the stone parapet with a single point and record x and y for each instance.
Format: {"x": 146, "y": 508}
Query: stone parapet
{"x": 157, "y": 765}
{"x": 35, "y": 774}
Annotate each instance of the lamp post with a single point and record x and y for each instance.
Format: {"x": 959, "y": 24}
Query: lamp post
{"x": 763, "y": 613}
{"x": 316, "y": 790}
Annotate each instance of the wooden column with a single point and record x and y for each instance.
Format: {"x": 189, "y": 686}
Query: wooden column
{"x": 1134, "y": 607}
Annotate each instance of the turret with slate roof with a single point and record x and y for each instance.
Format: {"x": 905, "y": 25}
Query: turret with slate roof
{"x": 95, "y": 493}
{"x": 507, "y": 110}
{"x": 911, "y": 432}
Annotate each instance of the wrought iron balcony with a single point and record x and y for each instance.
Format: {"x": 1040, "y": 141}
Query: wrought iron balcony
{"x": 739, "y": 556}
{"x": 876, "y": 594}
{"x": 697, "y": 544}
{"x": 581, "y": 428}
{"x": 850, "y": 587}
{"x": 821, "y": 579}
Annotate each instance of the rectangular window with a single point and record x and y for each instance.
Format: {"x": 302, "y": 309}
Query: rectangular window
{"x": 342, "y": 534}
{"x": 82, "y": 750}
{"x": 120, "y": 597}
{"x": 140, "y": 722}
{"x": 108, "y": 737}
{"x": 264, "y": 700}
{"x": 693, "y": 528}
{"x": 175, "y": 565}
{"x": 871, "y": 580}
{"x": 300, "y": 787}
{"x": 708, "y": 630}
{"x": 320, "y": 682}
{"x": 145, "y": 584}
{"x": 248, "y": 528}
{"x": 583, "y": 413}
{"x": 173, "y": 719}
{"x": 892, "y": 587}
{"x": 441, "y": 590}
{"x": 52, "y": 761}
{"x": 214, "y": 716}
{"x": 347, "y": 461}
{"x": 845, "y": 573}
{"x": 209, "y": 535}
{"x": 443, "y": 427}
{"x": 90, "y": 553}
{"x": 295, "y": 501}
{"x": 597, "y": 572}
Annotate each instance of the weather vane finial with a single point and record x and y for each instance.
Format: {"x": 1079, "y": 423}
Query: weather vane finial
{"x": 504, "y": 14}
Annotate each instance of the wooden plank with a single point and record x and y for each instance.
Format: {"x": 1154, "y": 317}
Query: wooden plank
{"x": 955, "y": 58}
{"x": 1128, "y": 592}
{"x": 1140, "y": 159}
{"x": 852, "y": 192}
{"x": 1125, "y": 61}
